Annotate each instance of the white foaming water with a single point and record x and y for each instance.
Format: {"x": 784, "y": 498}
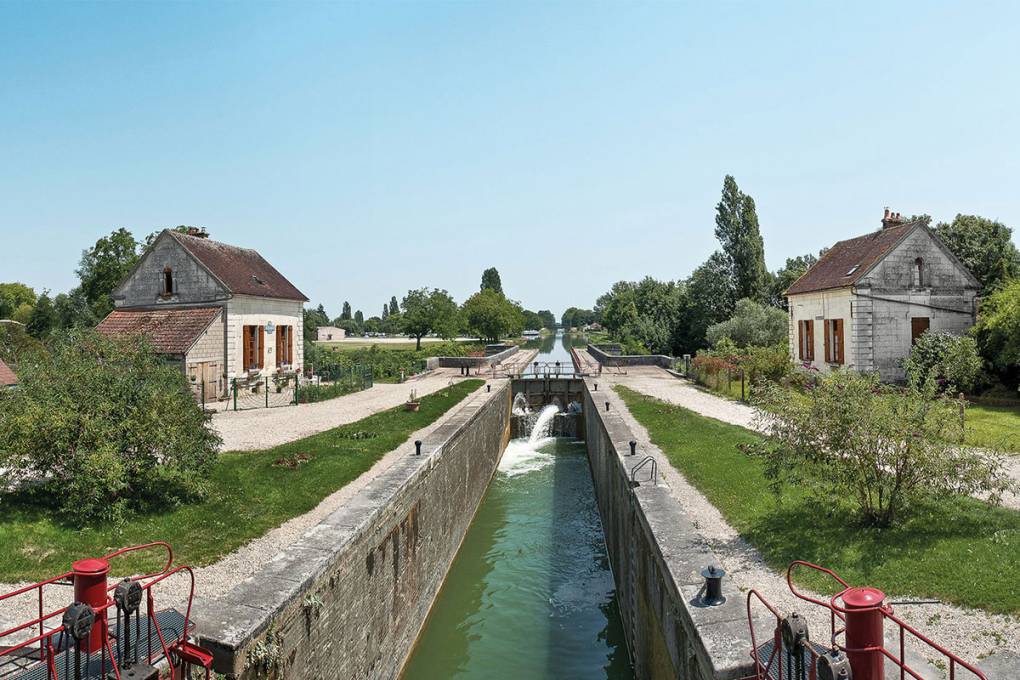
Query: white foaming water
{"x": 522, "y": 455}
{"x": 543, "y": 426}
{"x": 520, "y": 407}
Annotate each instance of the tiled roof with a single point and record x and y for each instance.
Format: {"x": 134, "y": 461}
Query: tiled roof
{"x": 242, "y": 270}
{"x": 7, "y": 376}
{"x": 847, "y": 261}
{"x": 171, "y": 331}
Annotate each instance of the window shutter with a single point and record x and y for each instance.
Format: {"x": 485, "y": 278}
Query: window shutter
{"x": 246, "y": 346}
{"x": 839, "y": 334}
{"x": 809, "y": 328}
{"x": 290, "y": 346}
{"x": 262, "y": 346}
{"x": 827, "y": 333}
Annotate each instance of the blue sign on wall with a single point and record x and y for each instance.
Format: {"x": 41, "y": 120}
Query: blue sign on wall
{"x": 270, "y": 328}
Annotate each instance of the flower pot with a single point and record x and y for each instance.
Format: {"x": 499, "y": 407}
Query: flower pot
{"x": 413, "y": 406}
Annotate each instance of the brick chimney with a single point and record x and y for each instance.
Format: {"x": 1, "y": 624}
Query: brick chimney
{"x": 198, "y": 232}
{"x": 891, "y": 219}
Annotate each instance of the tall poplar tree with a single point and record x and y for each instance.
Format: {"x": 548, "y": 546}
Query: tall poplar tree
{"x": 736, "y": 227}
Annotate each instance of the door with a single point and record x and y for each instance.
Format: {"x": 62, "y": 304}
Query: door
{"x": 918, "y": 325}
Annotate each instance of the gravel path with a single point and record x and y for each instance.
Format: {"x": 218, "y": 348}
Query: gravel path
{"x": 970, "y": 632}
{"x": 265, "y": 428}
{"x": 218, "y": 578}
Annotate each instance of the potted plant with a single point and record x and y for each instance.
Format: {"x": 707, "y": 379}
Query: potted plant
{"x": 412, "y": 402}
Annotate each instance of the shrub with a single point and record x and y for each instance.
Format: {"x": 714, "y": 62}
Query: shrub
{"x": 752, "y": 325}
{"x": 998, "y": 330}
{"x": 880, "y": 447}
{"x": 108, "y": 424}
{"x": 950, "y": 360}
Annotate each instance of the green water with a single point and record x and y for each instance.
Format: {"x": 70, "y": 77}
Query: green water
{"x": 530, "y": 594}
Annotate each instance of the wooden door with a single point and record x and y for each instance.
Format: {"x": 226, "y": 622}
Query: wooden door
{"x": 918, "y": 325}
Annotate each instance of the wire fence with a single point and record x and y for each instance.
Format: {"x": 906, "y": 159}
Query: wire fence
{"x": 280, "y": 389}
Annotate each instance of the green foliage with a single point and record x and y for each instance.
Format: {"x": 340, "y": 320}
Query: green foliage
{"x": 574, "y": 317}
{"x": 359, "y": 318}
{"x": 23, "y": 314}
{"x": 490, "y": 316}
{"x": 16, "y": 345}
{"x": 532, "y": 321}
{"x": 248, "y": 495}
{"x": 752, "y": 325}
{"x": 345, "y": 314}
{"x": 429, "y": 311}
{"x": 984, "y": 246}
{"x": 394, "y": 307}
{"x": 12, "y": 296}
{"x": 73, "y": 310}
{"x": 950, "y": 360}
{"x": 491, "y": 280}
{"x": 709, "y": 297}
{"x": 105, "y": 265}
{"x": 882, "y": 448}
{"x": 786, "y": 276}
{"x": 44, "y": 317}
{"x": 998, "y": 329}
{"x": 919, "y": 556}
{"x": 736, "y": 227}
{"x": 548, "y": 319}
{"x": 109, "y": 424}
{"x": 386, "y": 363}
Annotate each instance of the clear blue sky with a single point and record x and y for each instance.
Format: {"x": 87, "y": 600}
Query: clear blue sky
{"x": 368, "y": 148}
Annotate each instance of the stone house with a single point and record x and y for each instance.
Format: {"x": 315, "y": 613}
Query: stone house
{"x": 218, "y": 310}
{"x": 868, "y": 299}
{"x": 329, "y": 333}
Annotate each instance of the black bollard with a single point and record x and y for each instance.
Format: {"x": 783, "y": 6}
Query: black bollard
{"x": 596, "y": 387}
{"x": 417, "y": 447}
{"x": 713, "y": 586}
{"x": 633, "y": 447}
{"x": 488, "y": 387}
{"x": 607, "y": 406}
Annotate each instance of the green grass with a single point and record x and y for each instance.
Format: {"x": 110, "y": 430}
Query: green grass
{"x": 958, "y": 550}
{"x": 251, "y": 494}
{"x": 993, "y": 426}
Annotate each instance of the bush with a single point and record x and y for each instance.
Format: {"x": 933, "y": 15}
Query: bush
{"x": 752, "y": 325}
{"x": 109, "y": 424}
{"x": 878, "y": 446}
{"x": 386, "y": 363}
{"x": 998, "y": 330}
{"x": 950, "y": 360}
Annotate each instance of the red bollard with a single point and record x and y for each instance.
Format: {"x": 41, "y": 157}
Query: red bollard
{"x": 90, "y": 588}
{"x": 864, "y": 632}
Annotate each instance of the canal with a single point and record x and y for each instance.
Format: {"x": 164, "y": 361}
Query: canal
{"x": 530, "y": 593}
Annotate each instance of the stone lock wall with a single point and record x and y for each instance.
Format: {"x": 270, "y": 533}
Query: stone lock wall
{"x": 349, "y": 599}
{"x": 657, "y": 555}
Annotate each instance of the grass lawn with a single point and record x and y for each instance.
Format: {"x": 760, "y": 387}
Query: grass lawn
{"x": 957, "y": 550}
{"x": 251, "y": 494}
{"x": 993, "y": 426}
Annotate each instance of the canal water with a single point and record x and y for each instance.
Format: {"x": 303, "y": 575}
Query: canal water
{"x": 530, "y": 593}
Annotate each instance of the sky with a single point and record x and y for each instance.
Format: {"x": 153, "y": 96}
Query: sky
{"x": 365, "y": 149}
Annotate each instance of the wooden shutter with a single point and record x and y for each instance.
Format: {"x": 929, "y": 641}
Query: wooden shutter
{"x": 809, "y": 327}
{"x": 261, "y": 343}
{"x": 290, "y": 346}
{"x": 279, "y": 345}
{"x": 839, "y": 341}
{"x": 246, "y": 347}
{"x": 827, "y": 334}
{"x": 801, "y": 340}
{"x": 918, "y": 325}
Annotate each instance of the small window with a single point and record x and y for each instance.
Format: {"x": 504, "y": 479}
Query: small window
{"x": 918, "y": 273}
{"x": 853, "y": 269}
{"x": 168, "y": 282}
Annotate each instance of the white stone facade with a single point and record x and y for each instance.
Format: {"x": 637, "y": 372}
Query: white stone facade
{"x": 243, "y": 310}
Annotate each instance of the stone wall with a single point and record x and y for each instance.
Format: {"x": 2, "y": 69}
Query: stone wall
{"x": 607, "y": 359}
{"x": 247, "y": 310}
{"x": 193, "y": 284}
{"x": 349, "y": 598}
{"x": 657, "y": 555}
{"x": 478, "y": 362}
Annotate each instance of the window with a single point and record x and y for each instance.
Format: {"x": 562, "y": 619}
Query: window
{"x": 918, "y": 325}
{"x": 253, "y": 348}
{"x": 284, "y": 345}
{"x": 168, "y": 282}
{"x": 853, "y": 269}
{"x": 834, "y": 341}
{"x": 918, "y": 273}
{"x": 806, "y": 340}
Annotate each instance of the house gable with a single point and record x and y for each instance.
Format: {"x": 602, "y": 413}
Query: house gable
{"x": 192, "y": 281}
{"x": 940, "y": 271}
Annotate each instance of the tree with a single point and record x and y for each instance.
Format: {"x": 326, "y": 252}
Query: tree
{"x": 359, "y": 318}
{"x": 345, "y": 314}
{"x": 429, "y": 311}
{"x": 394, "y": 306}
{"x": 736, "y": 227}
{"x": 998, "y": 329}
{"x": 490, "y": 316}
{"x": 73, "y": 310}
{"x": 385, "y": 311}
{"x": 13, "y": 296}
{"x": 548, "y": 319}
{"x": 313, "y": 319}
{"x": 785, "y": 277}
{"x": 880, "y": 448}
{"x": 984, "y": 246}
{"x": 16, "y": 345}
{"x": 110, "y": 426}
{"x": 951, "y": 361}
{"x": 491, "y": 281}
{"x": 532, "y": 321}
{"x": 752, "y": 325}
{"x": 709, "y": 297}
{"x": 105, "y": 265}
{"x": 44, "y": 317}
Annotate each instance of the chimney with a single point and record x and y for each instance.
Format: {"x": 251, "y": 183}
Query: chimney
{"x": 891, "y": 219}
{"x": 198, "y": 232}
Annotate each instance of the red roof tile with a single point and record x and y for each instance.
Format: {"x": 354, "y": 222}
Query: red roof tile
{"x": 242, "y": 270}
{"x": 7, "y": 376}
{"x": 847, "y": 261}
{"x": 171, "y": 331}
